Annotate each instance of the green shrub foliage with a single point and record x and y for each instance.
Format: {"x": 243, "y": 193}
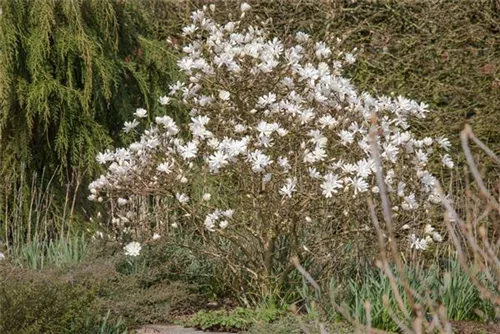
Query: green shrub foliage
{"x": 40, "y": 307}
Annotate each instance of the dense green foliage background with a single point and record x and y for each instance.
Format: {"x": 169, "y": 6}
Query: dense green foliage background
{"x": 443, "y": 53}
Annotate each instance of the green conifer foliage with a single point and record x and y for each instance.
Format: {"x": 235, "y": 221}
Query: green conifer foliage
{"x": 70, "y": 73}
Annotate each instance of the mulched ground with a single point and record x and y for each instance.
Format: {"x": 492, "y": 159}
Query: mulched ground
{"x": 470, "y": 327}
{"x": 170, "y": 329}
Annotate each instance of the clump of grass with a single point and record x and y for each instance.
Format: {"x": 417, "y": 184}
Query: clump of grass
{"x": 102, "y": 325}
{"x": 450, "y": 286}
{"x": 37, "y": 228}
{"x": 39, "y": 254}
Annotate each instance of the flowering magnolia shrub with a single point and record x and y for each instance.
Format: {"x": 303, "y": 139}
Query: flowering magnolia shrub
{"x": 281, "y": 136}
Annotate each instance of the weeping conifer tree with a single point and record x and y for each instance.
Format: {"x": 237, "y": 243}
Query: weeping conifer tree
{"x": 71, "y": 72}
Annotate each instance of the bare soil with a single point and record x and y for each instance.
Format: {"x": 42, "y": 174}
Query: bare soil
{"x": 170, "y": 329}
{"x": 471, "y": 327}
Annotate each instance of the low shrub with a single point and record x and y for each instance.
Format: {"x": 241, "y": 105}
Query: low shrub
{"x": 31, "y": 303}
{"x": 132, "y": 299}
{"x": 160, "y": 283}
{"x": 237, "y": 319}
